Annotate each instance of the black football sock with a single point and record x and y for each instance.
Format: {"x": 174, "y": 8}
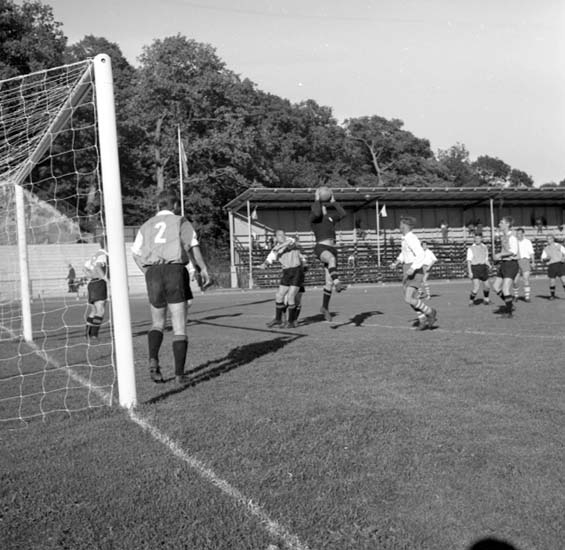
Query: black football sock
{"x": 95, "y": 328}
{"x": 486, "y": 294}
{"x": 472, "y": 296}
{"x": 154, "y": 339}
{"x": 180, "y": 346}
{"x": 326, "y": 298}
{"x": 291, "y": 314}
{"x": 552, "y": 290}
{"x": 279, "y": 310}
{"x": 89, "y": 326}
{"x": 333, "y": 273}
{"x": 508, "y": 301}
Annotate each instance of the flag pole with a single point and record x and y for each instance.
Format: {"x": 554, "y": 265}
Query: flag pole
{"x": 250, "y": 244}
{"x": 378, "y": 214}
{"x": 181, "y": 181}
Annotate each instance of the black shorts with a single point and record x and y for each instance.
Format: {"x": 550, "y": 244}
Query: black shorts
{"x": 508, "y": 269}
{"x": 167, "y": 284}
{"x": 97, "y": 291}
{"x": 319, "y": 248}
{"x": 480, "y": 271}
{"x": 292, "y": 276}
{"x": 556, "y": 269}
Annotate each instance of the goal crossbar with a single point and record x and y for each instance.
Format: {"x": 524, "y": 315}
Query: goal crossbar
{"x": 60, "y": 119}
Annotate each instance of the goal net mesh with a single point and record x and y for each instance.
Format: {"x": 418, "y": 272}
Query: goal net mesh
{"x": 49, "y": 148}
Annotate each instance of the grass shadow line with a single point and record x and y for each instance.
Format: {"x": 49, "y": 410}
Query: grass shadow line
{"x": 235, "y": 358}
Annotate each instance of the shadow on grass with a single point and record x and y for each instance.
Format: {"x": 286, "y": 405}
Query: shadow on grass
{"x": 244, "y": 304}
{"x": 492, "y": 544}
{"x": 214, "y": 317}
{"x": 546, "y": 297}
{"x": 312, "y": 319}
{"x": 358, "y": 319}
{"x": 205, "y": 321}
{"x": 237, "y": 357}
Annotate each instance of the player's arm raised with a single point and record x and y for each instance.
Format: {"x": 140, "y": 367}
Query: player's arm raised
{"x": 316, "y": 213}
{"x": 341, "y": 213}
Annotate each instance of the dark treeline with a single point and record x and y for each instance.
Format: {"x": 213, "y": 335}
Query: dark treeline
{"x": 234, "y": 134}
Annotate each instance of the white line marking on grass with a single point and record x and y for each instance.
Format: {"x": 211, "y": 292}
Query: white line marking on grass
{"x": 274, "y": 528}
{"x": 472, "y": 332}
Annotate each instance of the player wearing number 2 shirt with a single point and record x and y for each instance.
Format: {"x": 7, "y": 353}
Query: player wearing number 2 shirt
{"x": 163, "y": 246}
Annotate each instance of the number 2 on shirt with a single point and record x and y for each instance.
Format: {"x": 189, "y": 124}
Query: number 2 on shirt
{"x": 161, "y": 228}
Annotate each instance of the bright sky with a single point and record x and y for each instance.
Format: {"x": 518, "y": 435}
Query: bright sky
{"x": 486, "y": 73}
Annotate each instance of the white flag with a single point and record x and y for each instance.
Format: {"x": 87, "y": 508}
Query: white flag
{"x": 254, "y": 215}
{"x": 184, "y": 160}
{"x": 383, "y": 211}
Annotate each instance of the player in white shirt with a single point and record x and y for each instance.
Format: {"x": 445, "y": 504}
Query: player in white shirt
{"x": 429, "y": 260}
{"x": 526, "y": 263}
{"x": 554, "y": 255}
{"x": 96, "y": 271}
{"x": 412, "y": 259}
{"x": 478, "y": 266}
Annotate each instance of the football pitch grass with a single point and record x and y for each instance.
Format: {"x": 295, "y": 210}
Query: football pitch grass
{"x": 357, "y": 434}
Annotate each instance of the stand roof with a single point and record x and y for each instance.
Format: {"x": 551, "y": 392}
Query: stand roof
{"x": 362, "y": 197}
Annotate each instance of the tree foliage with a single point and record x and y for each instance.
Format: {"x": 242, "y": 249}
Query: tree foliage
{"x": 30, "y": 38}
{"x": 389, "y": 155}
{"x": 235, "y": 135}
{"x": 491, "y": 171}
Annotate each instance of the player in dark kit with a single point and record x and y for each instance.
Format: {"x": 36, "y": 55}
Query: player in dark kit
{"x": 323, "y": 225}
{"x": 96, "y": 271}
{"x": 508, "y": 267}
{"x": 162, "y": 248}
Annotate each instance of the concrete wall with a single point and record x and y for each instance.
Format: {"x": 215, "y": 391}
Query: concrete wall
{"x": 48, "y": 266}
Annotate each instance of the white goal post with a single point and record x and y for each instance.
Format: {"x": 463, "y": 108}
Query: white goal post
{"x": 108, "y": 143}
{"x": 14, "y": 171}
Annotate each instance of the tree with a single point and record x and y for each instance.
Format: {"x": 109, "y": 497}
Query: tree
{"x": 392, "y": 155}
{"x": 491, "y": 171}
{"x": 30, "y": 38}
{"x": 518, "y": 178}
{"x": 133, "y": 165}
{"x": 457, "y": 165}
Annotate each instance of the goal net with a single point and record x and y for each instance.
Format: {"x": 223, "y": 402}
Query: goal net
{"x": 58, "y": 174}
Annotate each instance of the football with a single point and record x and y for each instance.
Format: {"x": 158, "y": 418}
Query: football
{"x": 325, "y": 193}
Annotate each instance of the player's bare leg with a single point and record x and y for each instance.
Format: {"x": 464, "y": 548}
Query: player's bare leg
{"x": 486, "y": 292}
{"x": 476, "y": 285}
{"x": 154, "y": 340}
{"x": 426, "y": 315}
{"x": 279, "y": 307}
{"x": 291, "y": 298}
{"x": 180, "y": 341}
{"x": 327, "y": 294}
{"x": 330, "y": 262}
{"x": 94, "y": 318}
{"x": 503, "y": 288}
{"x": 298, "y": 303}
{"x": 425, "y": 289}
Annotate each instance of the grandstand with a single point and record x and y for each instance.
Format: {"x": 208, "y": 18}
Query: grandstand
{"x": 368, "y": 237}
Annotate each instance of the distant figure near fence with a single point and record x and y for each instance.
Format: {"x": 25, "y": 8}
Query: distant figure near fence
{"x": 72, "y": 279}
{"x": 444, "y": 231}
